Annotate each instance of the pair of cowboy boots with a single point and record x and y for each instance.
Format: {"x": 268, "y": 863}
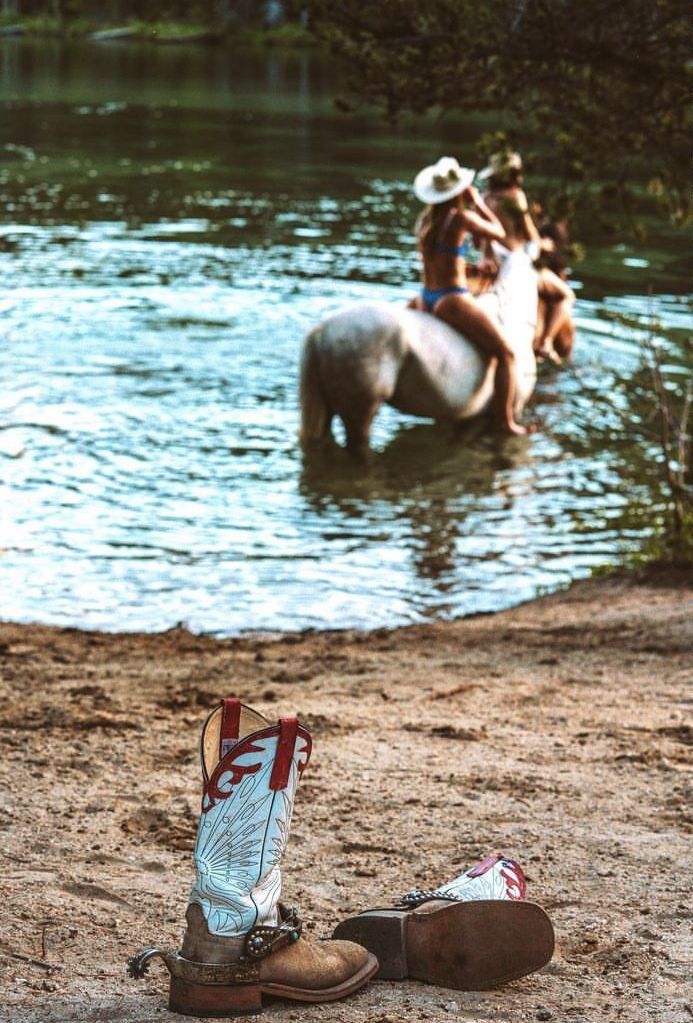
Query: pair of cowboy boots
{"x": 242, "y": 943}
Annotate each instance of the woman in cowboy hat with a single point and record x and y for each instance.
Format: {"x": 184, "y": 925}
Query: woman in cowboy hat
{"x": 455, "y": 210}
{"x": 508, "y": 201}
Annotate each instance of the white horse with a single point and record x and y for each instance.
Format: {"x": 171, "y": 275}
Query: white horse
{"x": 373, "y": 353}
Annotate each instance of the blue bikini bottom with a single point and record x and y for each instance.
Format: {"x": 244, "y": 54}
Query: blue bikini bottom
{"x": 432, "y": 295}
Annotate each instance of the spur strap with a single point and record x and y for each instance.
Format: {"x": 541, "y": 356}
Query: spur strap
{"x": 262, "y": 941}
{"x": 419, "y": 896}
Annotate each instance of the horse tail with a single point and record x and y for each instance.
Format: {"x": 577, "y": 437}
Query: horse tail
{"x": 315, "y": 414}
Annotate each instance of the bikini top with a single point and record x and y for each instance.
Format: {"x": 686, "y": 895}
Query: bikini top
{"x": 456, "y": 250}
{"x": 461, "y": 251}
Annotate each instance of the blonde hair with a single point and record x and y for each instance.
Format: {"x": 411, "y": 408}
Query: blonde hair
{"x": 428, "y": 225}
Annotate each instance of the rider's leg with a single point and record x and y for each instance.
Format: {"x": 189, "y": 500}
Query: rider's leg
{"x": 559, "y": 317}
{"x": 565, "y": 339}
{"x": 463, "y": 313}
{"x": 542, "y": 312}
{"x": 559, "y": 298}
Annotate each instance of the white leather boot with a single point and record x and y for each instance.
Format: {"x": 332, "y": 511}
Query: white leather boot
{"x": 473, "y": 933}
{"x": 240, "y": 941}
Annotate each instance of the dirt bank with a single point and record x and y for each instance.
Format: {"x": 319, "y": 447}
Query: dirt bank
{"x": 555, "y": 731}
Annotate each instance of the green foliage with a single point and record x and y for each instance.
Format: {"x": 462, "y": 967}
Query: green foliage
{"x": 601, "y": 87}
{"x": 44, "y": 25}
{"x": 70, "y": 16}
{"x": 661, "y": 396}
{"x": 243, "y": 19}
{"x": 287, "y": 35}
{"x": 168, "y": 29}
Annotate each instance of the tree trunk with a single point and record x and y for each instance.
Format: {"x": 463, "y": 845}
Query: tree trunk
{"x": 244, "y": 12}
{"x": 223, "y": 11}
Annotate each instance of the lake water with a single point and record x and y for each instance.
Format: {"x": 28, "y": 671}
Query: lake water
{"x": 172, "y": 222}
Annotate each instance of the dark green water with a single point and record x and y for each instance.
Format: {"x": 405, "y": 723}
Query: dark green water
{"x": 173, "y": 221}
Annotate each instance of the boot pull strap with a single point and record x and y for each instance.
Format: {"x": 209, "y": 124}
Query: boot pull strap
{"x": 283, "y": 758}
{"x": 485, "y": 865}
{"x": 230, "y": 726}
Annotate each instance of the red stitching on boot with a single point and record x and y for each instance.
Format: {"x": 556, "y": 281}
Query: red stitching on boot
{"x": 237, "y": 771}
{"x": 285, "y": 753}
{"x": 515, "y": 879}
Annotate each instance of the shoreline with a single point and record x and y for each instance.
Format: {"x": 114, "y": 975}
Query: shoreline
{"x": 554, "y": 731}
{"x": 288, "y": 36}
{"x": 670, "y": 574}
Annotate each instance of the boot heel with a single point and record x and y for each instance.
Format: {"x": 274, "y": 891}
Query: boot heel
{"x": 383, "y": 933}
{"x": 216, "y": 1000}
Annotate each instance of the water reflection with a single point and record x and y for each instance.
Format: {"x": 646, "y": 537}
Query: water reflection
{"x": 471, "y": 510}
{"x": 161, "y": 266}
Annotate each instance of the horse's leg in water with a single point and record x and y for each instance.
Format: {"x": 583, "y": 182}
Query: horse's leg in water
{"x": 357, "y": 423}
{"x": 463, "y": 313}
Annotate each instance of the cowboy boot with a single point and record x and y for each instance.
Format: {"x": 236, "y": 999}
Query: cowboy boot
{"x": 474, "y": 933}
{"x": 240, "y": 941}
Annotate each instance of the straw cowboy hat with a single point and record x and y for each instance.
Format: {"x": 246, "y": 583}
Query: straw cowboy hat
{"x": 500, "y": 164}
{"x": 442, "y": 181}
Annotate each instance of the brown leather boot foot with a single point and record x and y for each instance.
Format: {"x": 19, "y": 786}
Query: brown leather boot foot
{"x": 470, "y": 946}
{"x": 305, "y": 972}
{"x": 317, "y": 971}
{"x": 218, "y": 976}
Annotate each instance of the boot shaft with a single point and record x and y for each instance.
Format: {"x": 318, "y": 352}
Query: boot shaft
{"x": 250, "y": 769}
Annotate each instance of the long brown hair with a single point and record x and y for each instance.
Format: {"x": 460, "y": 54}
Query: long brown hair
{"x": 428, "y": 226}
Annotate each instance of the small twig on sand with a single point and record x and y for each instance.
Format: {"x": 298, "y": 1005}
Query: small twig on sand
{"x": 31, "y": 959}
{"x": 14, "y": 858}
{"x": 443, "y": 694}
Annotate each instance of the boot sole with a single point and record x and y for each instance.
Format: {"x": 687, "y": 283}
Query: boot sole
{"x": 222, "y": 1000}
{"x": 469, "y": 946}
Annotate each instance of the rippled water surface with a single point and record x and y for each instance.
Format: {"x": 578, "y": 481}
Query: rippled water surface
{"x": 172, "y": 225}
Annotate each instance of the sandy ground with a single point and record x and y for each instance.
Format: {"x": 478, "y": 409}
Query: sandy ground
{"x": 555, "y": 732}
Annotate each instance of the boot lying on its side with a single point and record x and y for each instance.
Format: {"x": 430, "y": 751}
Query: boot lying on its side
{"x": 475, "y": 933}
{"x": 241, "y": 942}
